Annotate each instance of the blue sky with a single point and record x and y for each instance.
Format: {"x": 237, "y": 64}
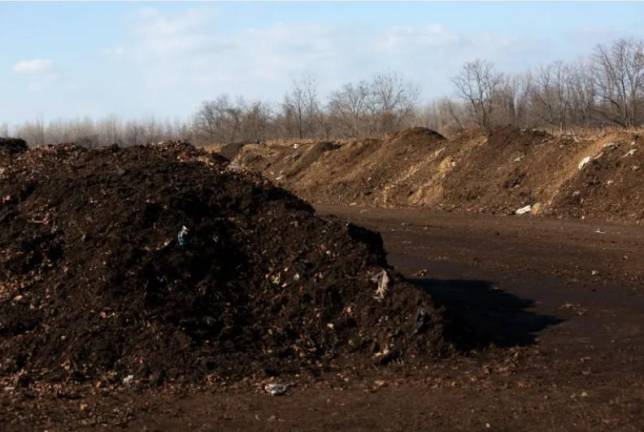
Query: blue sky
{"x": 71, "y": 60}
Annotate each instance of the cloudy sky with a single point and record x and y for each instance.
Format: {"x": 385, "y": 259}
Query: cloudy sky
{"x": 162, "y": 59}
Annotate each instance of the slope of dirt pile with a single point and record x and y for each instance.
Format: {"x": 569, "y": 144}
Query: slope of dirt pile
{"x": 610, "y": 184}
{"x": 499, "y": 172}
{"x": 508, "y": 170}
{"x": 161, "y": 263}
{"x": 367, "y": 170}
{"x": 10, "y": 147}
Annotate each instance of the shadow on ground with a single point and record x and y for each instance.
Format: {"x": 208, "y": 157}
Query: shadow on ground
{"x": 480, "y": 314}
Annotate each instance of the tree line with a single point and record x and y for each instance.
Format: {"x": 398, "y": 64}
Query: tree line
{"x": 604, "y": 89}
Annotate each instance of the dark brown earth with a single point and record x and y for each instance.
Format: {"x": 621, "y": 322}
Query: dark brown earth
{"x": 11, "y": 147}
{"x": 172, "y": 267}
{"x": 561, "y": 301}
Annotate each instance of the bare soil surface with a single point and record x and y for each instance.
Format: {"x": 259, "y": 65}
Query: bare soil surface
{"x": 593, "y": 175}
{"x": 559, "y": 302}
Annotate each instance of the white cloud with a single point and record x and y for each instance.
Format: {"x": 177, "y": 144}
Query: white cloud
{"x": 188, "y": 56}
{"x": 185, "y": 32}
{"x": 117, "y": 51}
{"x": 33, "y": 66}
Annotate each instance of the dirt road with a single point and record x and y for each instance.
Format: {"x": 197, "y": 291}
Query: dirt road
{"x": 561, "y": 303}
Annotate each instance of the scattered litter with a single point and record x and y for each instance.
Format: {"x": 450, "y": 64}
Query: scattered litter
{"x": 598, "y": 231}
{"x": 182, "y": 237}
{"x": 523, "y": 210}
{"x": 385, "y": 356}
{"x": 276, "y": 389}
{"x": 583, "y": 162}
{"x": 379, "y": 383}
{"x": 574, "y": 307}
{"x": 382, "y": 279}
{"x": 631, "y": 152}
{"x": 594, "y": 273}
{"x": 422, "y": 273}
{"x": 234, "y": 166}
{"x": 128, "y": 379}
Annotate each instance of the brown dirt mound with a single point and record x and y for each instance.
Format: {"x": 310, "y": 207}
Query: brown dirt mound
{"x": 10, "y": 147}
{"x": 231, "y": 150}
{"x": 609, "y": 186}
{"x": 499, "y": 172}
{"x": 502, "y": 174}
{"x": 158, "y": 262}
{"x": 416, "y": 133}
{"x": 367, "y": 170}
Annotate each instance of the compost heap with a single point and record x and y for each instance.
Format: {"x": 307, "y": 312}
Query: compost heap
{"x": 162, "y": 263}
{"x": 11, "y": 147}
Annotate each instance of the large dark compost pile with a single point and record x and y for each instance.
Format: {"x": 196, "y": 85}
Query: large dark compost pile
{"x": 161, "y": 263}
{"x": 9, "y": 148}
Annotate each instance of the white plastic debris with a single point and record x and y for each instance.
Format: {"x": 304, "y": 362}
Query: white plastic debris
{"x": 276, "y": 389}
{"x": 383, "y": 281}
{"x": 524, "y": 210}
{"x": 234, "y": 166}
{"x": 631, "y": 152}
{"x": 128, "y": 379}
{"x": 583, "y": 162}
{"x": 182, "y": 237}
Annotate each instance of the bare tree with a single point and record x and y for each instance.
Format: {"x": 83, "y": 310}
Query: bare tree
{"x": 218, "y": 120}
{"x": 477, "y": 84}
{"x": 256, "y": 120}
{"x": 110, "y": 131}
{"x": 301, "y": 104}
{"x": 444, "y": 115}
{"x": 348, "y": 107}
{"x": 392, "y": 100}
{"x": 551, "y": 94}
{"x": 32, "y": 132}
{"x": 618, "y": 73}
{"x": 583, "y": 95}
